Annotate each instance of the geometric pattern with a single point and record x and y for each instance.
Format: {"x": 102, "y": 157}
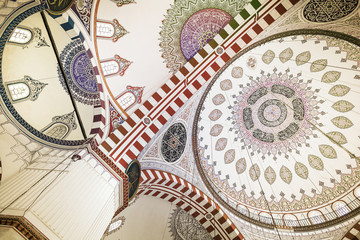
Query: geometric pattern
{"x": 65, "y": 21}
{"x": 184, "y": 225}
{"x": 124, "y": 153}
{"x": 190, "y": 25}
{"x": 169, "y": 187}
{"x": 328, "y": 10}
{"x": 173, "y": 142}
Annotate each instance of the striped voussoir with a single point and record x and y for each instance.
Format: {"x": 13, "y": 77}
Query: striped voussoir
{"x": 183, "y": 194}
{"x": 67, "y": 23}
{"x": 353, "y": 233}
{"x": 126, "y": 142}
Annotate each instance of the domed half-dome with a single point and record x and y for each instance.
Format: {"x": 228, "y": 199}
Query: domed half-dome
{"x": 277, "y": 131}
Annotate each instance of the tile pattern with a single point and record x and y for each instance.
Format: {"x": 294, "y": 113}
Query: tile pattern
{"x": 185, "y": 195}
{"x": 125, "y": 143}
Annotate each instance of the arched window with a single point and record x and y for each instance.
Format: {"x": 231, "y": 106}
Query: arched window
{"x": 57, "y": 130}
{"x": 114, "y": 66}
{"x": 109, "y": 30}
{"x": 127, "y": 100}
{"x": 340, "y": 208}
{"x": 24, "y": 89}
{"x": 61, "y": 126}
{"x": 18, "y": 91}
{"x": 104, "y": 29}
{"x": 316, "y": 217}
{"x": 115, "y": 224}
{"x": 130, "y": 97}
{"x": 21, "y": 35}
{"x": 110, "y": 67}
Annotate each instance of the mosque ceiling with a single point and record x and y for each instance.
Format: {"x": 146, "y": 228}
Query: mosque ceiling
{"x": 269, "y": 132}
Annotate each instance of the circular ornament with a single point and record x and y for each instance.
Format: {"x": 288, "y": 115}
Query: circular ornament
{"x": 174, "y": 142}
{"x": 79, "y": 73}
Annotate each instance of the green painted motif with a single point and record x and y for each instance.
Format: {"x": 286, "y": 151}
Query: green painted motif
{"x": 303, "y": 58}
{"x": 339, "y": 90}
{"x": 328, "y": 151}
{"x": 330, "y": 77}
{"x": 286, "y": 55}
{"x": 343, "y": 106}
{"x": 316, "y": 162}
{"x": 337, "y": 137}
{"x": 342, "y": 122}
{"x": 318, "y": 65}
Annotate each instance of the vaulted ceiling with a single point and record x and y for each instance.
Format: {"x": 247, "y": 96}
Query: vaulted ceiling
{"x": 244, "y": 110}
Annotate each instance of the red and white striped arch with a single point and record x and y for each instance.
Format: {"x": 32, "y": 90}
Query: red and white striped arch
{"x": 178, "y": 191}
{"x": 125, "y": 143}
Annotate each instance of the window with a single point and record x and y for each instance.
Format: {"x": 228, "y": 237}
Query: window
{"x": 110, "y": 67}
{"x": 316, "y": 217}
{"x": 57, "y": 130}
{"x": 18, "y": 91}
{"x": 114, "y": 66}
{"x": 127, "y": 100}
{"x": 340, "y": 208}
{"x": 21, "y": 35}
{"x": 104, "y": 29}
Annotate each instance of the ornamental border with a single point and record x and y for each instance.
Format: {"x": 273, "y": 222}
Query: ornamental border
{"x": 325, "y": 224}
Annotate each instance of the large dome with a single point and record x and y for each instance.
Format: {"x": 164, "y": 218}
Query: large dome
{"x": 277, "y": 131}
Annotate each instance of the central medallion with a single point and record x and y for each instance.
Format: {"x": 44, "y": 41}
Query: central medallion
{"x": 273, "y": 113}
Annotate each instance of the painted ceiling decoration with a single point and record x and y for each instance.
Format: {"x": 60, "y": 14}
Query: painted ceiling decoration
{"x": 190, "y": 24}
{"x": 23, "y": 36}
{"x": 184, "y": 227}
{"x": 173, "y": 142}
{"x": 57, "y": 7}
{"x": 61, "y": 126}
{"x": 115, "y": 66}
{"x": 131, "y": 96}
{"x": 115, "y": 118}
{"x": 82, "y": 8}
{"x": 24, "y": 89}
{"x": 134, "y": 173}
{"x": 110, "y": 30}
{"x": 80, "y": 73}
{"x": 321, "y": 11}
{"x": 121, "y": 3}
{"x": 279, "y": 127}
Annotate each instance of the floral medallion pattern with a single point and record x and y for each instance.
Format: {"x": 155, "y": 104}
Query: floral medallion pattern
{"x": 190, "y": 24}
{"x": 282, "y": 134}
{"x": 200, "y": 28}
{"x": 80, "y": 73}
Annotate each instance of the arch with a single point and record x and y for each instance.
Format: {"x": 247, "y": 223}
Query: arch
{"x": 353, "y": 233}
{"x": 178, "y": 191}
{"x": 316, "y": 217}
{"x": 340, "y": 208}
{"x": 104, "y": 29}
{"x": 21, "y": 36}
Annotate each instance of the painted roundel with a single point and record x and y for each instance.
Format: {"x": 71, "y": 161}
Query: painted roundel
{"x": 282, "y": 135}
{"x": 80, "y": 73}
{"x": 174, "y": 142}
{"x": 328, "y": 10}
{"x": 200, "y": 28}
